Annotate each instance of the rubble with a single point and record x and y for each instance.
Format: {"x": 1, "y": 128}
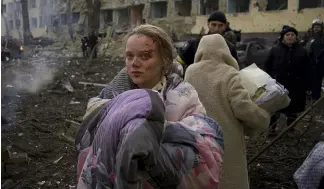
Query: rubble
{"x": 7, "y": 184}
{"x": 14, "y": 157}
{"x": 94, "y": 84}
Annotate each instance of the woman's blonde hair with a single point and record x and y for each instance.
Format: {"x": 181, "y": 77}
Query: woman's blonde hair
{"x": 162, "y": 41}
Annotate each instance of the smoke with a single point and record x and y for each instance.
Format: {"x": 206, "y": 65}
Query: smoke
{"x": 38, "y": 74}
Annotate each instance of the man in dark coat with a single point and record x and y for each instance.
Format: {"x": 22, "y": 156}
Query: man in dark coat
{"x": 287, "y": 62}
{"x": 84, "y": 45}
{"x": 217, "y": 23}
{"x": 93, "y": 40}
{"x": 315, "y": 48}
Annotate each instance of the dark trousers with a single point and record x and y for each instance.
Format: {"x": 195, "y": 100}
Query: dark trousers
{"x": 94, "y": 52}
{"x": 316, "y": 75}
{"x": 317, "y": 87}
{"x": 291, "y": 117}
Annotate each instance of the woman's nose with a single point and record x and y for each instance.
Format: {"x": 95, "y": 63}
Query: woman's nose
{"x": 135, "y": 62}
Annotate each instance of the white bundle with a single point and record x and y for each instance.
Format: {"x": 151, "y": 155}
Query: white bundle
{"x": 265, "y": 91}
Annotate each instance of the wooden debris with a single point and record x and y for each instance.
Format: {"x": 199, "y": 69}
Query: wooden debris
{"x": 30, "y": 153}
{"x": 292, "y": 125}
{"x": 58, "y": 160}
{"x": 94, "y": 84}
{"x": 67, "y": 138}
{"x": 15, "y": 157}
{"x": 73, "y": 122}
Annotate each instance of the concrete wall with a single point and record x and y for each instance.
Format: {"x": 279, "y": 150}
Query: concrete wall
{"x": 36, "y": 13}
{"x": 255, "y": 21}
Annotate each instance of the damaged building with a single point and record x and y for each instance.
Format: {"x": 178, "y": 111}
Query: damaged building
{"x": 44, "y": 16}
{"x": 182, "y": 16}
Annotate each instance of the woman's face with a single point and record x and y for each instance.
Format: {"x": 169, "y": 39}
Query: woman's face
{"x": 290, "y": 37}
{"x": 143, "y": 62}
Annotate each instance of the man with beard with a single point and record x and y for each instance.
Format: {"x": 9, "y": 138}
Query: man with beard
{"x": 217, "y": 24}
{"x": 315, "y": 48}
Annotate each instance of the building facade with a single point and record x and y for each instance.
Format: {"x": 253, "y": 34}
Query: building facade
{"x": 43, "y": 14}
{"x": 184, "y": 16}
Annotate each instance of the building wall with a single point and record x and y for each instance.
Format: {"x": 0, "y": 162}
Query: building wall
{"x": 37, "y": 12}
{"x": 268, "y": 21}
{"x": 254, "y": 21}
{"x": 33, "y": 13}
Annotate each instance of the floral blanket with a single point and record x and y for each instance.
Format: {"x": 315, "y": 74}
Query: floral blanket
{"x": 137, "y": 138}
{"x": 310, "y": 174}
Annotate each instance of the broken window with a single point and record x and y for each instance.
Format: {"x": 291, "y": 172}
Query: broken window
{"x": 50, "y": 20}
{"x": 75, "y": 17}
{"x": 32, "y": 3}
{"x": 136, "y": 13}
{"x": 18, "y": 23}
{"x": 10, "y": 25}
{"x": 42, "y": 21}
{"x": 183, "y": 7}
{"x": 34, "y": 22}
{"x": 52, "y": 3}
{"x": 18, "y": 6}
{"x": 159, "y": 9}
{"x": 123, "y": 17}
{"x": 63, "y": 19}
{"x": 238, "y": 6}
{"x": 277, "y": 5}
{"x": 107, "y": 16}
{"x": 208, "y": 6}
{"x": 43, "y": 3}
{"x": 10, "y": 7}
{"x": 4, "y": 8}
{"x": 303, "y": 4}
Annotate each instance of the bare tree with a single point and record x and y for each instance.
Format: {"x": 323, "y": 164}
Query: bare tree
{"x": 26, "y": 27}
{"x": 93, "y": 7}
{"x": 4, "y": 18}
{"x": 69, "y": 19}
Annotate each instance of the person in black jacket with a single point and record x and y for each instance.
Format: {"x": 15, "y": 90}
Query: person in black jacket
{"x": 84, "y": 45}
{"x": 217, "y": 24}
{"x": 93, "y": 40}
{"x": 316, "y": 55}
{"x": 288, "y": 62}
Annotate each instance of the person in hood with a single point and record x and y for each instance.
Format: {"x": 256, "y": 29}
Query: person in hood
{"x": 216, "y": 78}
{"x": 217, "y": 24}
{"x": 315, "y": 49}
{"x": 286, "y": 63}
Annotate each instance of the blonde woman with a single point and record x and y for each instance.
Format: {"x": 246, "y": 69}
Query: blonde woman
{"x": 147, "y": 128}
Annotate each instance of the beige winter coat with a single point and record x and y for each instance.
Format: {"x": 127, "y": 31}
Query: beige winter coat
{"x": 216, "y": 78}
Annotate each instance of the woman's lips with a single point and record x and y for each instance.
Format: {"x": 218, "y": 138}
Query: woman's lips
{"x": 136, "y": 73}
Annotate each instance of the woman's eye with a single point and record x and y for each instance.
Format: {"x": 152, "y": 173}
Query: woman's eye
{"x": 129, "y": 57}
{"x": 145, "y": 57}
